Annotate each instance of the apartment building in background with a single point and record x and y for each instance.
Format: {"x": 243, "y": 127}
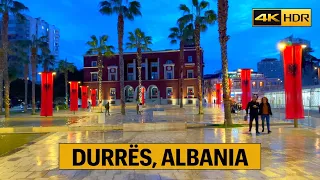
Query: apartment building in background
{"x": 25, "y": 30}
{"x": 160, "y": 77}
{"x": 271, "y": 68}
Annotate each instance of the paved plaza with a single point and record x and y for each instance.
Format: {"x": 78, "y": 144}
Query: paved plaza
{"x": 287, "y": 153}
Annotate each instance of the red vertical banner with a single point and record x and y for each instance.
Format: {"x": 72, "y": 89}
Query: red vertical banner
{"x": 245, "y": 87}
{"x": 292, "y": 59}
{"x": 46, "y": 94}
{"x": 142, "y": 95}
{"x": 73, "y": 96}
{"x": 93, "y": 97}
{"x": 84, "y": 97}
{"x": 218, "y": 93}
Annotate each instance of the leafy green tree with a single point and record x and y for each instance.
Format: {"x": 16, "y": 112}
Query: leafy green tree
{"x": 100, "y": 48}
{"x": 15, "y": 8}
{"x": 138, "y": 40}
{"x": 200, "y": 17}
{"x": 64, "y": 67}
{"x": 124, "y": 10}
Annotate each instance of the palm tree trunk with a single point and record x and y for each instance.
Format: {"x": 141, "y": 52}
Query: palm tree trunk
{"x": 181, "y": 72}
{"x": 223, "y": 38}
{"x": 121, "y": 62}
{"x": 100, "y": 80}
{"x": 139, "y": 57}
{"x": 34, "y": 76}
{"x": 1, "y": 83}
{"x": 5, "y": 46}
{"x": 26, "y": 72}
{"x": 66, "y": 86}
{"x": 199, "y": 66}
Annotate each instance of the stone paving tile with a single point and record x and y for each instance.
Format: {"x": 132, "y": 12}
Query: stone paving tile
{"x": 287, "y": 153}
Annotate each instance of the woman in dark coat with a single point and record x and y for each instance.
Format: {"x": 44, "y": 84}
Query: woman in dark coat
{"x": 265, "y": 112}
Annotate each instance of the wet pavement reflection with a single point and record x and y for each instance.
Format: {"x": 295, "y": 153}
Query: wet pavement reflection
{"x": 287, "y": 153}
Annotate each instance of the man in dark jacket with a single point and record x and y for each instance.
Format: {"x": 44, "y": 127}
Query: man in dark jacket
{"x": 253, "y": 107}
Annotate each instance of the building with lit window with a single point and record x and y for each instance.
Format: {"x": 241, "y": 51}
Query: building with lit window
{"x": 271, "y": 68}
{"x": 259, "y": 84}
{"x": 160, "y": 77}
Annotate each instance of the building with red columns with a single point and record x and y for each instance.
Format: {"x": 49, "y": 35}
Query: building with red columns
{"x": 160, "y": 77}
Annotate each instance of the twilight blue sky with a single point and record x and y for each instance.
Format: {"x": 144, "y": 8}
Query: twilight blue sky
{"x": 79, "y": 19}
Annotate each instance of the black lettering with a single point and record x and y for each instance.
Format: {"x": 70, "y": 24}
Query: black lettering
{"x": 241, "y": 154}
{"x": 305, "y": 17}
{"x": 143, "y": 154}
{"x": 286, "y": 16}
{"x": 121, "y": 155}
{"x": 82, "y": 157}
{"x": 230, "y": 157}
{"x": 178, "y": 158}
{"x": 167, "y": 152}
{"x": 206, "y": 157}
{"x": 132, "y": 157}
{"x": 192, "y": 157}
{"x": 105, "y": 157}
{"x": 90, "y": 158}
{"x": 218, "y": 155}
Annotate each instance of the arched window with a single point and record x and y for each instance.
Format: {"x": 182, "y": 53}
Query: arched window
{"x": 169, "y": 62}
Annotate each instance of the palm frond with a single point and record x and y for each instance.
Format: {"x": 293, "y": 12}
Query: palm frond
{"x": 173, "y": 41}
{"x": 186, "y": 19}
{"x": 211, "y": 16}
{"x": 106, "y": 8}
{"x": 134, "y": 8}
{"x": 184, "y": 8}
{"x": 204, "y": 4}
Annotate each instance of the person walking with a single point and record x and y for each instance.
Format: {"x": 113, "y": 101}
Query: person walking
{"x": 89, "y": 107}
{"x": 253, "y": 107}
{"x": 265, "y": 112}
{"x": 107, "y": 107}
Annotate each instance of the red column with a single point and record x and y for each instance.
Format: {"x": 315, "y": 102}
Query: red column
{"x": 292, "y": 58}
{"x": 46, "y": 94}
{"x": 93, "y": 97}
{"x": 245, "y": 87}
{"x": 84, "y": 97}
{"x": 142, "y": 95}
{"x": 73, "y": 96}
{"x": 218, "y": 93}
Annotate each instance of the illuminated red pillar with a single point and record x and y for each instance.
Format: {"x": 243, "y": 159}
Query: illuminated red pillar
{"x": 292, "y": 58}
{"x": 245, "y": 87}
{"x": 46, "y": 94}
{"x": 73, "y": 96}
{"x": 218, "y": 93}
{"x": 93, "y": 97}
{"x": 84, "y": 97}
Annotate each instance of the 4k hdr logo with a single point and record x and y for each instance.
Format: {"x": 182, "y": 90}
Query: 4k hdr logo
{"x": 281, "y": 17}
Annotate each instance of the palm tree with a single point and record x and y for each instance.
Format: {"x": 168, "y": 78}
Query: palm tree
{"x": 36, "y": 44}
{"x": 21, "y": 48}
{"x": 100, "y": 48}
{"x": 138, "y": 40}
{"x": 181, "y": 33}
{"x": 47, "y": 60}
{"x": 223, "y": 38}
{"x": 15, "y": 8}
{"x": 200, "y": 18}
{"x": 123, "y": 9}
{"x": 65, "y": 67}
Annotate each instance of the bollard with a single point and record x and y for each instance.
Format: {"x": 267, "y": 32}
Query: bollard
{"x": 295, "y": 122}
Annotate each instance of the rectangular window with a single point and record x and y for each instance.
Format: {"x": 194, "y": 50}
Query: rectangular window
{"x": 189, "y": 59}
{"x": 154, "y": 75}
{"x": 189, "y": 73}
{"x": 130, "y": 65}
{"x": 130, "y": 77}
{"x": 94, "y": 64}
{"x": 169, "y": 92}
{"x": 169, "y": 75}
{"x": 113, "y": 93}
{"x": 154, "y": 64}
{"x": 94, "y": 76}
{"x": 261, "y": 84}
{"x": 190, "y": 92}
{"x": 113, "y": 77}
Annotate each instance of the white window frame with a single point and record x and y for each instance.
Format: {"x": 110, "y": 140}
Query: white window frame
{"x": 167, "y": 97}
{"x": 192, "y": 87}
{"x": 170, "y": 73}
{"x": 190, "y": 60}
{"x": 115, "y": 93}
{"x": 93, "y": 62}
{"x": 92, "y": 74}
{"x": 112, "y": 73}
{"x": 190, "y": 70}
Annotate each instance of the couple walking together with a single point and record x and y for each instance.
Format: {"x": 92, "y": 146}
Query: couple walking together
{"x": 256, "y": 109}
